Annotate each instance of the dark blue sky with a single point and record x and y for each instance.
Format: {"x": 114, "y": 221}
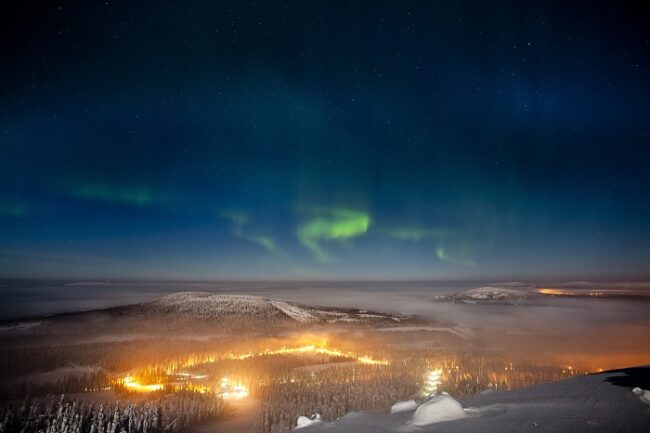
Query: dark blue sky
{"x": 309, "y": 140}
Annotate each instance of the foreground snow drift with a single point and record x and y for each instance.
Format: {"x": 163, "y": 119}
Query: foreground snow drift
{"x": 595, "y": 403}
{"x": 304, "y": 421}
{"x": 437, "y": 408}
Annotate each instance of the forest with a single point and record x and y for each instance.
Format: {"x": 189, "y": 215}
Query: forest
{"x": 60, "y": 415}
{"x": 69, "y": 374}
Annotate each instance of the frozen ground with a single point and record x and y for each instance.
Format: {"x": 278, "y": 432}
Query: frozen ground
{"x": 596, "y": 403}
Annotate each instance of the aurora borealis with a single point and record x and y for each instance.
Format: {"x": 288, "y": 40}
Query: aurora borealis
{"x": 331, "y": 224}
{"x": 319, "y": 140}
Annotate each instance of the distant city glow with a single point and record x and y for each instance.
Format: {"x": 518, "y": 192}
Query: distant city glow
{"x": 581, "y": 293}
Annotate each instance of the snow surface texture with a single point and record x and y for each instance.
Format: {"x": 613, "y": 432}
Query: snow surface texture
{"x": 594, "y": 403}
{"x": 205, "y": 305}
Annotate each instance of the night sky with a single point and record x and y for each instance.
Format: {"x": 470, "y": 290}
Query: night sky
{"x": 324, "y": 140}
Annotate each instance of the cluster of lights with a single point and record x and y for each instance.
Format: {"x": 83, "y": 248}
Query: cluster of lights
{"x": 231, "y": 391}
{"x": 431, "y": 382}
{"x": 553, "y": 292}
{"x": 228, "y": 390}
{"x": 305, "y": 349}
{"x": 568, "y": 369}
{"x": 568, "y": 292}
{"x": 133, "y": 385}
{"x": 320, "y": 349}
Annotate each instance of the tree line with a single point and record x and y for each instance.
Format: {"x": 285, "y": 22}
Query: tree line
{"x": 174, "y": 413}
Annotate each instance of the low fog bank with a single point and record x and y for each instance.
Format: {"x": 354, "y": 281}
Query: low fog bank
{"x": 590, "y": 333}
{"x": 24, "y": 298}
{"x": 596, "y": 333}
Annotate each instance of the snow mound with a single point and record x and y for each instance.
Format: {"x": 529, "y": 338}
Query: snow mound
{"x": 643, "y": 394}
{"x": 304, "y": 421}
{"x": 437, "y": 408}
{"x": 402, "y": 406}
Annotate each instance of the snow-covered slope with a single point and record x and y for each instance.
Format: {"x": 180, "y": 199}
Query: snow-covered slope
{"x": 604, "y": 402}
{"x": 205, "y": 305}
{"x": 295, "y": 312}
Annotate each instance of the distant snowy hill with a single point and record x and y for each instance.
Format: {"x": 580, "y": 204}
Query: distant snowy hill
{"x": 489, "y": 294}
{"x": 608, "y": 402}
{"x": 205, "y": 305}
{"x": 515, "y": 293}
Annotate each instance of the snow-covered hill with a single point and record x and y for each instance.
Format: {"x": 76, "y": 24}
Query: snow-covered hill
{"x": 205, "y": 305}
{"x": 208, "y": 305}
{"x": 515, "y": 293}
{"x": 607, "y": 402}
{"x": 489, "y": 294}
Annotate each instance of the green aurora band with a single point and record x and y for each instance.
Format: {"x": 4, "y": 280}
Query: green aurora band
{"x": 14, "y": 210}
{"x": 240, "y": 221}
{"x": 128, "y": 195}
{"x": 331, "y": 224}
{"x": 415, "y": 234}
{"x": 444, "y": 256}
